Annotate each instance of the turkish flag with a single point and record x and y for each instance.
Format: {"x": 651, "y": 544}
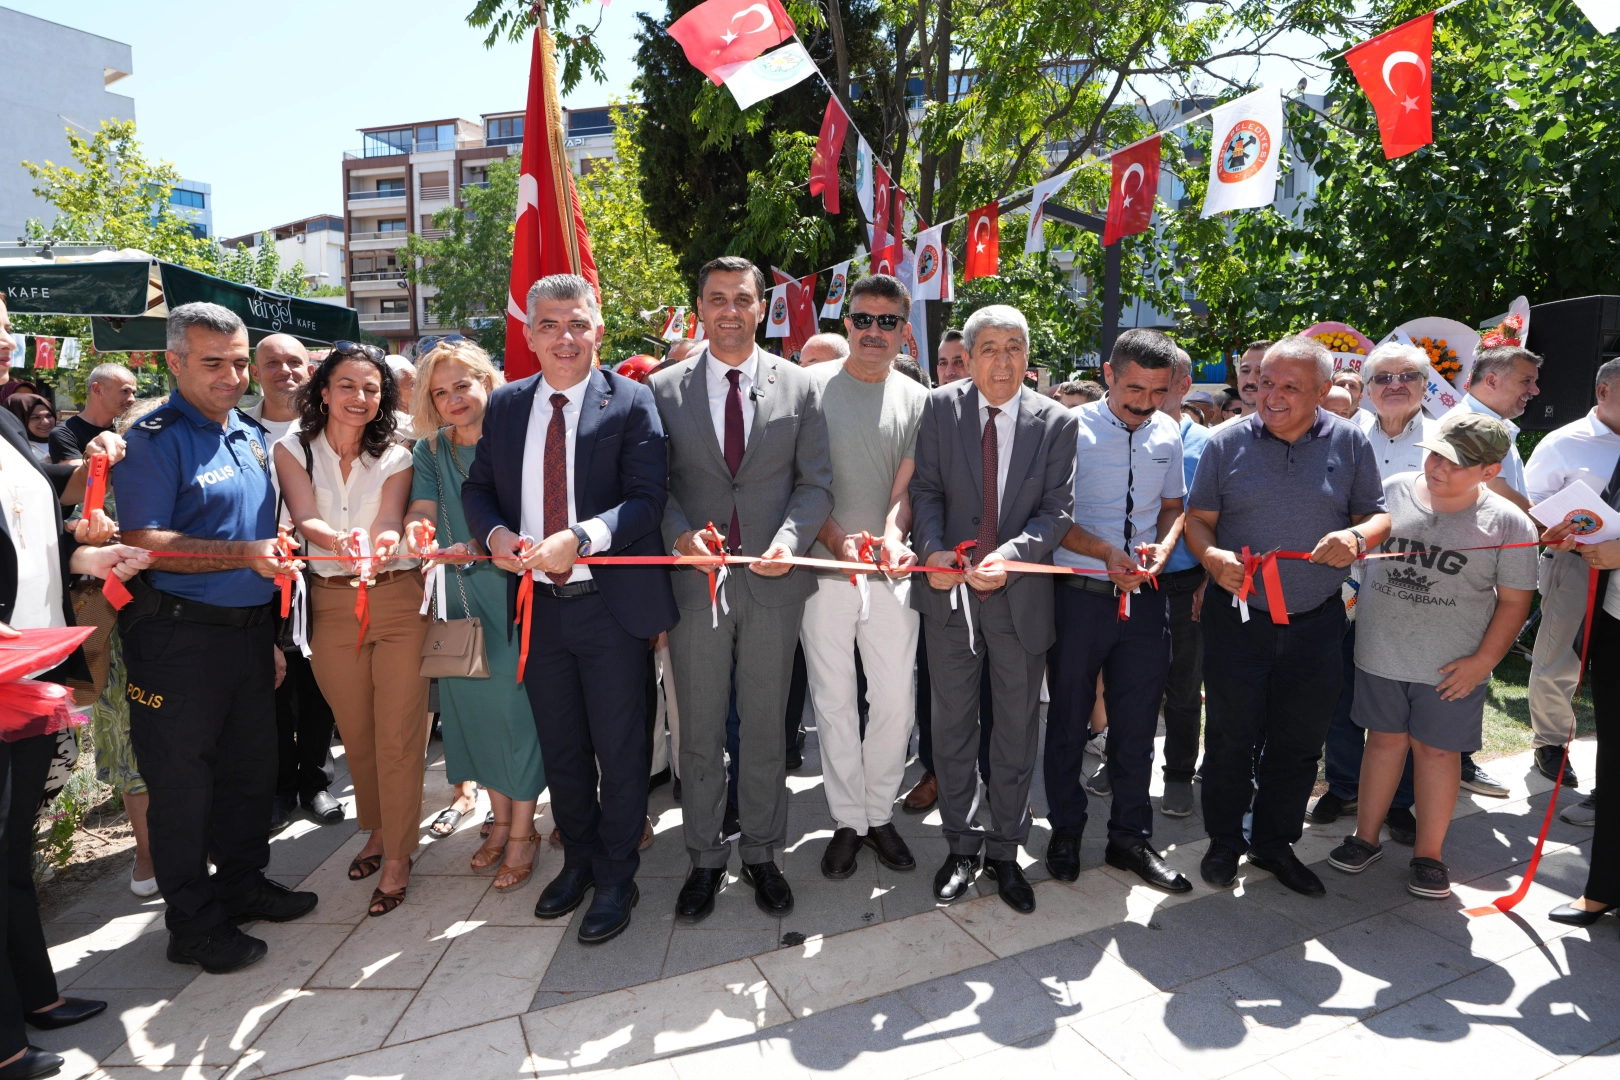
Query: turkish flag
{"x": 550, "y": 237}
{"x": 801, "y": 309}
{"x": 882, "y": 200}
{"x": 829, "y": 148}
{"x": 983, "y": 243}
{"x": 1394, "y": 70}
{"x": 44, "y": 353}
{"x": 1131, "y": 192}
{"x": 887, "y": 259}
{"x": 897, "y": 216}
{"x": 730, "y": 32}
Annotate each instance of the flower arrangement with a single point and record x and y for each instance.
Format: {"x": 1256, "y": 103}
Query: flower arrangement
{"x": 1442, "y": 357}
{"x": 1340, "y": 342}
{"x": 1509, "y": 332}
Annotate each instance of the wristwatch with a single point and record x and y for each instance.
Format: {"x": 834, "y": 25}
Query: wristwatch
{"x": 1361, "y": 542}
{"x": 584, "y": 540}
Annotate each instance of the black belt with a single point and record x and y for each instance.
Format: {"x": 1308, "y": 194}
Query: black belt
{"x": 1087, "y": 583}
{"x": 157, "y": 602}
{"x": 1191, "y": 573}
{"x": 563, "y": 592}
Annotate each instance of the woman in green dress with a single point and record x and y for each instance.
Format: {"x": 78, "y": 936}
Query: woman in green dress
{"x": 489, "y": 733}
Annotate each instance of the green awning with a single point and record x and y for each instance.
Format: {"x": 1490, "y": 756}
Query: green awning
{"x": 265, "y": 313}
{"x": 102, "y": 287}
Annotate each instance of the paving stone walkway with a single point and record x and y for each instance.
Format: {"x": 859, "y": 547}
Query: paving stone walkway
{"x": 870, "y": 976}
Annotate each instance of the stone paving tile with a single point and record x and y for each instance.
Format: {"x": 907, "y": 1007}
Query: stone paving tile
{"x": 1598, "y": 1066}
{"x": 694, "y": 947}
{"x": 76, "y": 948}
{"x": 1083, "y": 979}
{"x": 490, "y": 972}
{"x": 492, "y": 1051}
{"x": 634, "y": 957}
{"x": 1563, "y": 999}
{"x": 1062, "y": 1054}
{"x": 1182, "y": 944}
{"x": 179, "y": 1072}
{"x": 323, "y": 1025}
{"x": 94, "y": 1040}
{"x": 142, "y": 963}
{"x": 997, "y": 1004}
{"x": 398, "y": 950}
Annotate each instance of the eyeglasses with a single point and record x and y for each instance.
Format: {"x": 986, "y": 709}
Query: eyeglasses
{"x": 860, "y": 320}
{"x": 356, "y": 348}
{"x": 1405, "y": 378}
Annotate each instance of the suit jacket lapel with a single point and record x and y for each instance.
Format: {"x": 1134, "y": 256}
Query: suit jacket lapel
{"x": 764, "y": 401}
{"x": 1026, "y": 438}
{"x": 598, "y": 391}
{"x": 695, "y": 390}
{"x": 967, "y": 424}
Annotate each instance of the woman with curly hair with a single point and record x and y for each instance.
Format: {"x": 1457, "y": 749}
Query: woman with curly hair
{"x": 346, "y": 480}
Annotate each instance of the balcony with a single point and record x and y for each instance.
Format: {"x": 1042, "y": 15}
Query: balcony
{"x": 388, "y": 320}
{"x": 396, "y": 236}
{"x": 376, "y": 196}
{"x": 435, "y": 191}
{"x": 380, "y": 275}
{"x": 433, "y": 234}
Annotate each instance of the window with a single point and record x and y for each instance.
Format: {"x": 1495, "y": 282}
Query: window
{"x": 392, "y": 225}
{"x": 504, "y": 131}
{"x": 359, "y": 265}
{"x": 477, "y": 175}
{"x": 436, "y": 179}
{"x": 587, "y": 165}
{"x": 387, "y": 143}
{"x": 196, "y": 200}
{"x": 590, "y": 122}
{"x": 436, "y": 137}
{"x": 395, "y": 186}
{"x": 427, "y": 222}
{"x": 395, "y": 307}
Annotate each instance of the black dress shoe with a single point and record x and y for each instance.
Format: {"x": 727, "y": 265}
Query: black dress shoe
{"x": 71, "y": 1011}
{"x": 838, "y": 861}
{"x": 270, "y": 901}
{"x": 323, "y": 808}
{"x": 1219, "y": 865}
{"x": 1146, "y": 864}
{"x": 1548, "y": 758}
{"x": 677, "y": 791}
{"x": 1571, "y": 915}
{"x": 1011, "y": 884}
{"x": 222, "y": 950}
{"x": 1292, "y": 873}
{"x": 891, "y": 848}
{"x": 795, "y": 757}
{"x": 34, "y": 1062}
{"x": 953, "y": 878}
{"x": 1329, "y": 808}
{"x": 281, "y": 812}
{"x": 608, "y": 914}
{"x": 564, "y": 893}
{"x": 771, "y": 892}
{"x": 1063, "y": 855}
{"x": 696, "y": 898}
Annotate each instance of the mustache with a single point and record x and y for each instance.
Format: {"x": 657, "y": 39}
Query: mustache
{"x": 1134, "y": 411}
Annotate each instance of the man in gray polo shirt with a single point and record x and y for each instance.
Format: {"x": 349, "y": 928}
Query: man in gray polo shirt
{"x": 1292, "y": 478}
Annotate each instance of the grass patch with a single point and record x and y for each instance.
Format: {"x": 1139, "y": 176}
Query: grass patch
{"x": 1507, "y": 710}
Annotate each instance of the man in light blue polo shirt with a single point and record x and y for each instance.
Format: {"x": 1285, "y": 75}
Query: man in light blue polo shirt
{"x": 1502, "y": 382}
{"x": 1128, "y": 489}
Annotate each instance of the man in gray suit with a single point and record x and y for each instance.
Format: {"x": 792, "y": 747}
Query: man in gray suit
{"x": 995, "y": 466}
{"x": 749, "y": 469}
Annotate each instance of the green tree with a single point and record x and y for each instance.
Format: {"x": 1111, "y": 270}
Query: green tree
{"x": 471, "y": 263}
{"x": 261, "y": 266}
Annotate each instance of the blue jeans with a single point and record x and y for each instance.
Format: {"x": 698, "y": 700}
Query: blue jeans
{"x": 1346, "y": 741}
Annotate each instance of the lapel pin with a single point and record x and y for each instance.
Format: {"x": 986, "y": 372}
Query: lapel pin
{"x": 602, "y": 404}
{"x": 771, "y": 377}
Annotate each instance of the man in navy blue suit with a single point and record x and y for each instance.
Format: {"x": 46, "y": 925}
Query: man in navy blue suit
{"x": 573, "y": 461}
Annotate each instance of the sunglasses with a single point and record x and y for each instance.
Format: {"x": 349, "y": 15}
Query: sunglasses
{"x": 1405, "y": 378}
{"x": 355, "y": 348}
{"x": 861, "y": 321}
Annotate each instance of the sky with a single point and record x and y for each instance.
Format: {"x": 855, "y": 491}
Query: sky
{"x": 261, "y": 100}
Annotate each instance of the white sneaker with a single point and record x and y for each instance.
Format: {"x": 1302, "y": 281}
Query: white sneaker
{"x": 142, "y": 888}
{"x": 1097, "y": 743}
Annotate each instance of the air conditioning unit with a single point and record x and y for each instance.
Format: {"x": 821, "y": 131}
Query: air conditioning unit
{"x": 300, "y": 238}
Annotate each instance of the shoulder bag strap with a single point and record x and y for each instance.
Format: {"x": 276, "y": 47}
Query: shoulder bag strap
{"x": 444, "y": 516}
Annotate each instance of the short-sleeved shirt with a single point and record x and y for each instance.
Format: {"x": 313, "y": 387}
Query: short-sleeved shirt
{"x": 871, "y": 429}
{"x": 1121, "y": 478}
{"x": 1272, "y": 494}
{"x": 188, "y": 474}
{"x": 1401, "y": 454}
{"x": 347, "y": 504}
{"x": 69, "y": 438}
{"x": 1194, "y": 437}
{"x": 1417, "y": 614}
{"x": 1513, "y": 464}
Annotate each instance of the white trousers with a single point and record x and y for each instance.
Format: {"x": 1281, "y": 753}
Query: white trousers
{"x": 1555, "y": 665}
{"x": 862, "y": 776}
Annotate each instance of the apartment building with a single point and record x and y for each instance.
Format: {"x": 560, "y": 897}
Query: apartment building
{"x": 317, "y": 242}
{"x": 401, "y": 176}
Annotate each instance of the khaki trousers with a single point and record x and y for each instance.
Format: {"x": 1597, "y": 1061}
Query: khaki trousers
{"x": 1555, "y": 664}
{"x": 378, "y": 698}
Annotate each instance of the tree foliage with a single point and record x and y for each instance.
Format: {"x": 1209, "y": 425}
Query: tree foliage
{"x": 261, "y": 266}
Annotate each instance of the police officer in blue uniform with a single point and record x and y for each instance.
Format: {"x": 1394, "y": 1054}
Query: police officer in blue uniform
{"x": 199, "y": 642}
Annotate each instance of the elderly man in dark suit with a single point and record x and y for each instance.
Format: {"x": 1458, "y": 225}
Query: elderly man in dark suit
{"x": 995, "y": 465}
{"x": 574, "y": 459}
{"x": 749, "y": 469}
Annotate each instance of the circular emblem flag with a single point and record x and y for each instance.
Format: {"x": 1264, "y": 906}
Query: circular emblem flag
{"x": 1245, "y": 153}
{"x": 835, "y": 289}
{"x": 927, "y": 264}
{"x": 779, "y": 312}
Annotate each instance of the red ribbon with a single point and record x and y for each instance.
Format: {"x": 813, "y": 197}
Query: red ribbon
{"x": 864, "y": 553}
{"x": 1125, "y": 595}
{"x": 283, "y": 579}
{"x": 362, "y": 611}
{"x": 524, "y": 609}
{"x": 95, "y": 489}
{"x": 1270, "y": 580}
{"x": 715, "y": 548}
{"x": 116, "y": 592}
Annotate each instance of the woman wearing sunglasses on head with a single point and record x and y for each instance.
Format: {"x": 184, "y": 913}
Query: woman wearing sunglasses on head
{"x": 346, "y": 481}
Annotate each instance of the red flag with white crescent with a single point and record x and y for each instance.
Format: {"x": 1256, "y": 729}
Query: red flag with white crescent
{"x": 897, "y": 216}
{"x": 722, "y": 32}
{"x": 44, "y": 353}
{"x": 983, "y": 243}
{"x": 1131, "y": 193}
{"x": 1395, "y": 71}
{"x": 887, "y": 260}
{"x": 550, "y": 237}
{"x": 829, "y": 149}
{"x": 882, "y": 201}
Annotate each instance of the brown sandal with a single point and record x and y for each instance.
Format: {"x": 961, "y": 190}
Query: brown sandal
{"x": 388, "y": 900}
{"x": 523, "y": 872}
{"x": 486, "y": 856}
{"x": 364, "y": 866}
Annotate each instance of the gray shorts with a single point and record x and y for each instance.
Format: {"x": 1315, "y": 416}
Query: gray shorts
{"x": 1416, "y": 709}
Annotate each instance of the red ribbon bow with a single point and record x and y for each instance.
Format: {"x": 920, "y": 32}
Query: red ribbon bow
{"x": 1270, "y": 580}
{"x": 864, "y": 554}
{"x": 283, "y": 580}
{"x": 1125, "y": 596}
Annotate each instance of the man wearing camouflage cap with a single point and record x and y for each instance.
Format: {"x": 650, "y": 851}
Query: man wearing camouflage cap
{"x": 1435, "y": 616}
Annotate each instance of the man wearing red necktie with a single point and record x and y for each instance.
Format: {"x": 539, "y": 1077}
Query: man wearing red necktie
{"x": 748, "y": 472}
{"x": 572, "y": 463}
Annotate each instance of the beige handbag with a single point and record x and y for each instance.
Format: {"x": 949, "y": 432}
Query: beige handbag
{"x": 453, "y": 648}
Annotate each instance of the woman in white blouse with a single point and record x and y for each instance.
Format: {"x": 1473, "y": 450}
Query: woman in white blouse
{"x": 346, "y": 481}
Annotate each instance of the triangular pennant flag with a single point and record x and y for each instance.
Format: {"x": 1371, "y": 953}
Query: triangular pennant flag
{"x": 1243, "y": 154}
{"x": 1394, "y": 70}
{"x": 829, "y": 148}
{"x": 1131, "y": 191}
{"x": 983, "y": 242}
{"x": 1035, "y": 238}
{"x": 832, "y": 308}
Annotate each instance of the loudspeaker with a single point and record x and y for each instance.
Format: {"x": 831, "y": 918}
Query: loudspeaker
{"x": 1576, "y": 337}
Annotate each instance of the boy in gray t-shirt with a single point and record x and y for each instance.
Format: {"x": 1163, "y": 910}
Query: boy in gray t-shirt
{"x": 1441, "y": 602}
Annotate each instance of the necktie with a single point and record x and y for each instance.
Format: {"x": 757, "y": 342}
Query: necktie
{"x": 556, "y": 483}
{"x": 1130, "y": 484}
{"x": 989, "y": 514}
{"x": 734, "y": 447}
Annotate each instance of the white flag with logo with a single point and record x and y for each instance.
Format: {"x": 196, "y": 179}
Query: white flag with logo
{"x": 931, "y": 267}
{"x": 768, "y": 74}
{"x": 949, "y": 284}
{"x": 833, "y": 307}
{"x": 69, "y": 357}
{"x": 1243, "y": 153}
{"x": 1035, "y": 238}
{"x": 777, "y": 321}
{"x": 864, "y": 177}
{"x": 675, "y": 324}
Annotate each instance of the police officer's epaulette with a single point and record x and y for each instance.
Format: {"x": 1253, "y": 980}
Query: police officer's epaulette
{"x": 153, "y": 422}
